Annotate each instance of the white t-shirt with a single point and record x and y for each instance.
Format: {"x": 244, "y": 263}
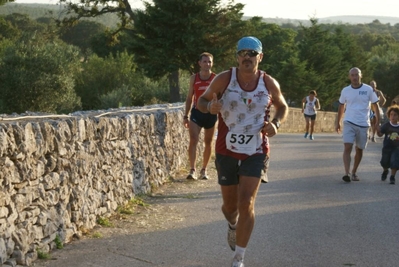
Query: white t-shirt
{"x": 357, "y": 102}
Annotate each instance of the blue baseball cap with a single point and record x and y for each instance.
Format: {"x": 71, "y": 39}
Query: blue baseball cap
{"x": 249, "y": 43}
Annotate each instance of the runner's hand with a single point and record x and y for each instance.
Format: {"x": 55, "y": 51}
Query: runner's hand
{"x": 214, "y": 106}
{"x": 269, "y": 129}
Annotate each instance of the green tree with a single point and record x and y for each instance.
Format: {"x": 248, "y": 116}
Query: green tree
{"x": 76, "y": 10}
{"x": 38, "y": 77}
{"x": 369, "y": 40}
{"x": 169, "y": 35}
{"x": 385, "y": 63}
{"x": 102, "y": 44}
{"x": 127, "y": 87}
{"x": 143, "y": 91}
{"x": 182, "y": 29}
{"x": 100, "y": 76}
{"x": 329, "y": 54}
{"x": 2, "y": 2}
{"x": 81, "y": 34}
{"x": 294, "y": 80}
{"x": 7, "y": 30}
{"x": 29, "y": 29}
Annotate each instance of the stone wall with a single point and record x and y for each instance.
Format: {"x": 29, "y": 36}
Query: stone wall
{"x": 59, "y": 174}
{"x": 295, "y": 122}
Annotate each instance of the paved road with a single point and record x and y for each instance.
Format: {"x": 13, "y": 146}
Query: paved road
{"x": 306, "y": 217}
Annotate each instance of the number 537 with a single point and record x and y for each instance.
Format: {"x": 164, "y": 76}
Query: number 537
{"x": 240, "y": 138}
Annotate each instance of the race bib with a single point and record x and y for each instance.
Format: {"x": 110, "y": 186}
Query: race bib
{"x": 243, "y": 143}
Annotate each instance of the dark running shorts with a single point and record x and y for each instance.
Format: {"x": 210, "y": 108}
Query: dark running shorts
{"x": 390, "y": 158}
{"x": 203, "y": 120}
{"x": 312, "y": 117}
{"x": 229, "y": 169}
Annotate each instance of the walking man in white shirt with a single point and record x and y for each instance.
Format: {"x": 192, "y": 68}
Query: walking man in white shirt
{"x": 355, "y": 102}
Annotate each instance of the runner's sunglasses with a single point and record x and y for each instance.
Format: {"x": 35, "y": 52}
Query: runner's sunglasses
{"x": 250, "y": 53}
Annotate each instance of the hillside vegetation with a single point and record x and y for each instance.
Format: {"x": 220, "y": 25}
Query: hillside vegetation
{"x": 35, "y": 11}
{"x": 336, "y": 20}
{"x": 57, "y": 11}
{"x": 85, "y": 66}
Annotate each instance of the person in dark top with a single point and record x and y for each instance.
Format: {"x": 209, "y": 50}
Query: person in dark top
{"x": 390, "y": 149}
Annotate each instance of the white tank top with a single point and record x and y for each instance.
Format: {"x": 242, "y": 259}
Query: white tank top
{"x": 310, "y": 106}
{"x": 244, "y": 113}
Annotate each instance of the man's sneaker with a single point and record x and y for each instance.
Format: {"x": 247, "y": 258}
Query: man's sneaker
{"x": 311, "y": 137}
{"x": 306, "y": 135}
{"x": 191, "y": 175}
{"x": 346, "y": 178}
{"x": 237, "y": 262}
{"x": 203, "y": 175}
{"x": 392, "y": 179}
{"x": 355, "y": 177}
{"x": 384, "y": 175}
{"x": 231, "y": 238}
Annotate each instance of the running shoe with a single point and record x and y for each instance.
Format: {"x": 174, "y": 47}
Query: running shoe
{"x": 384, "y": 175}
{"x": 311, "y": 137}
{"x": 237, "y": 262}
{"x": 191, "y": 175}
{"x": 355, "y": 177}
{"x": 231, "y": 238}
{"x": 392, "y": 179}
{"x": 347, "y": 178}
{"x": 373, "y": 139}
{"x": 306, "y": 135}
{"x": 203, "y": 175}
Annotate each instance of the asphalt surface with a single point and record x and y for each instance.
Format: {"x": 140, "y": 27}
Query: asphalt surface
{"x": 305, "y": 216}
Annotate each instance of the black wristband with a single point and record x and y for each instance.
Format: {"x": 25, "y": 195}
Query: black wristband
{"x": 276, "y": 122}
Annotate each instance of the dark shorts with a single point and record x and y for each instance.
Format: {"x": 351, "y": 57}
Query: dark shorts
{"x": 390, "y": 158}
{"x": 312, "y": 117}
{"x": 203, "y": 120}
{"x": 229, "y": 169}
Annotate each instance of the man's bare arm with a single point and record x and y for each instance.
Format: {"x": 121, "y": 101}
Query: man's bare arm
{"x": 190, "y": 94}
{"x": 341, "y": 109}
{"x": 383, "y": 100}
{"x": 376, "y": 110}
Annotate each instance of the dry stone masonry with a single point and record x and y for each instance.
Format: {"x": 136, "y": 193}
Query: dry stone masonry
{"x": 60, "y": 173}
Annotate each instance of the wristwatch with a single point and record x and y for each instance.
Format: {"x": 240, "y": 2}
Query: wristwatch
{"x": 276, "y": 122}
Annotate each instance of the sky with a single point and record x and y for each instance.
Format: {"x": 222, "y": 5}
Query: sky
{"x": 299, "y": 9}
